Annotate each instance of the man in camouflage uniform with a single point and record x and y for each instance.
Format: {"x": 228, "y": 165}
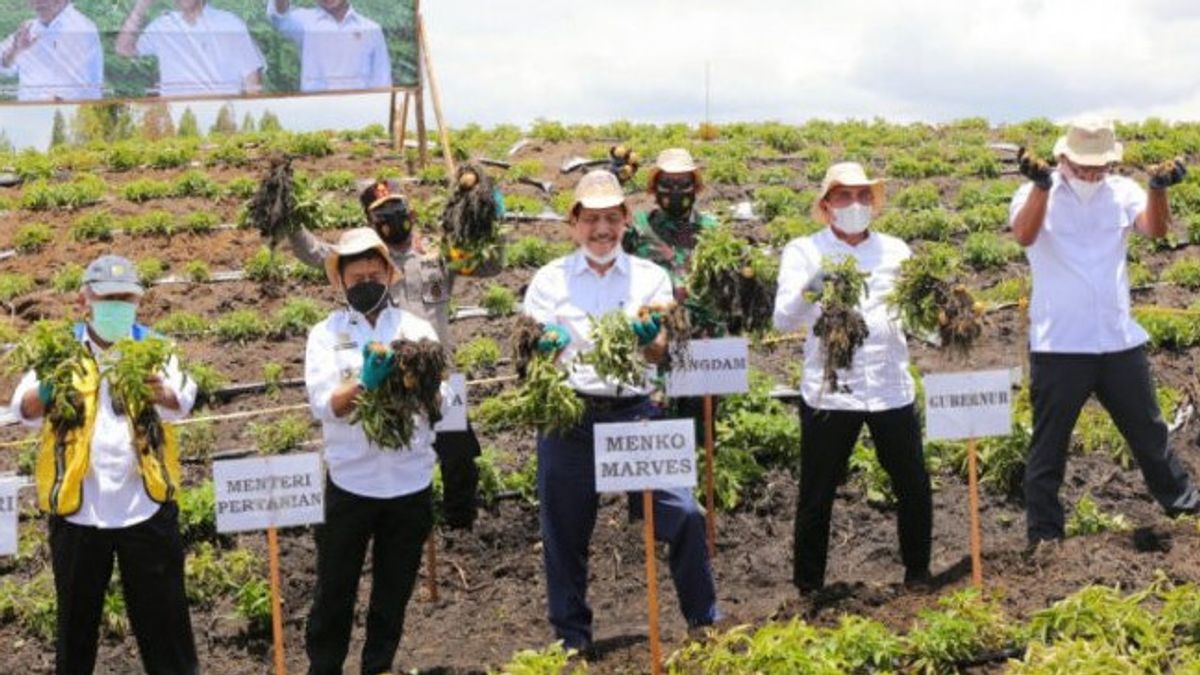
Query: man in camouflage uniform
{"x": 424, "y": 290}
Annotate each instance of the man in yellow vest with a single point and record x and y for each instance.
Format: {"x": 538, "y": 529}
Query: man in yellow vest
{"x": 105, "y": 500}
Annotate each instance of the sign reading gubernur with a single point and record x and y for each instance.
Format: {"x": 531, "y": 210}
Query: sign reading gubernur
{"x": 263, "y": 492}
{"x": 968, "y": 405}
{"x": 8, "y": 516}
{"x": 649, "y": 455}
{"x": 711, "y": 368}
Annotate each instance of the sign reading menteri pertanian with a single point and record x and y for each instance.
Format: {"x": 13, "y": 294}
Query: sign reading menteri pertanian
{"x": 968, "y": 405}
{"x": 645, "y": 455}
{"x": 454, "y": 405}
{"x": 711, "y": 367}
{"x": 262, "y": 492}
{"x": 8, "y": 516}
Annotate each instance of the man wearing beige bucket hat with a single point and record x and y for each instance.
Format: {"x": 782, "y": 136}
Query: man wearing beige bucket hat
{"x": 380, "y": 496}
{"x": 563, "y": 295}
{"x": 877, "y": 389}
{"x": 1074, "y": 222}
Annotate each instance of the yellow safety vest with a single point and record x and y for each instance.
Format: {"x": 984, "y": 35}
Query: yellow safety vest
{"x": 61, "y": 466}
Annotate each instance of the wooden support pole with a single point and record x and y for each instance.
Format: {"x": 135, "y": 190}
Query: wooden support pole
{"x": 431, "y": 562}
{"x": 276, "y": 600}
{"x": 651, "y": 581}
{"x": 710, "y": 457}
{"x": 392, "y": 131}
{"x": 443, "y": 131}
{"x": 973, "y": 504}
{"x": 403, "y": 122}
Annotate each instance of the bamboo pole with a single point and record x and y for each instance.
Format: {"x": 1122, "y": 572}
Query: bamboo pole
{"x": 276, "y": 600}
{"x": 443, "y": 131}
{"x": 651, "y": 581}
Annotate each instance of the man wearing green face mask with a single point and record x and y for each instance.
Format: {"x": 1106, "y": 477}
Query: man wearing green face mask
{"x": 105, "y": 499}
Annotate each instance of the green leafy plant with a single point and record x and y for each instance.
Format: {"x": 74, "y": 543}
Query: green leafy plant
{"x": 273, "y": 377}
{"x": 32, "y": 604}
{"x": 182, "y": 323}
{"x": 553, "y": 660}
{"x": 266, "y": 267}
{"x": 733, "y": 280}
{"x": 51, "y": 351}
{"x": 127, "y": 366}
{"x": 33, "y": 237}
{"x": 283, "y": 435}
{"x": 94, "y": 226}
{"x": 82, "y": 191}
{"x": 210, "y": 573}
{"x": 615, "y": 354}
{"x": 987, "y": 250}
{"x": 197, "y": 271}
{"x": 929, "y": 297}
{"x": 775, "y": 201}
{"x": 1088, "y": 519}
{"x": 198, "y": 513}
{"x": 964, "y": 624}
{"x": 841, "y": 327}
{"x": 151, "y": 223}
{"x": 498, "y": 300}
{"x": 480, "y": 354}
{"x": 145, "y": 189}
{"x": 1184, "y": 272}
{"x": 782, "y": 229}
{"x": 241, "y": 326}
{"x": 296, "y": 316}
{"x": 14, "y": 285}
{"x": 254, "y": 604}
{"x": 533, "y": 252}
{"x": 412, "y": 388}
{"x": 1169, "y": 328}
{"x": 200, "y": 222}
{"x": 208, "y": 379}
{"x": 197, "y": 440}
{"x": 150, "y": 270}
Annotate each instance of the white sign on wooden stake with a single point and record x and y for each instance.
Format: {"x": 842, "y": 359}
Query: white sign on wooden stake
{"x": 968, "y": 405}
{"x": 645, "y": 455}
{"x": 8, "y": 516}
{"x": 262, "y": 492}
{"x": 711, "y": 368}
{"x": 454, "y": 405}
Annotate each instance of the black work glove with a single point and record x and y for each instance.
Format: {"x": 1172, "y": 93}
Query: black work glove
{"x": 1165, "y": 175}
{"x": 1034, "y": 168}
{"x": 457, "y": 450}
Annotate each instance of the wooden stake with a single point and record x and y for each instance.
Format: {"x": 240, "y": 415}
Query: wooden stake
{"x": 403, "y": 122}
{"x": 443, "y": 132}
{"x": 276, "y": 601}
{"x": 431, "y": 562}
{"x": 392, "y": 121}
{"x": 973, "y": 504}
{"x": 710, "y": 507}
{"x": 651, "y": 581}
{"x": 422, "y": 137}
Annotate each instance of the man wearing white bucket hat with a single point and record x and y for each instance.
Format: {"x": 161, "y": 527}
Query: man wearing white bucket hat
{"x": 380, "y": 496}
{"x": 877, "y": 389}
{"x": 1074, "y": 222}
{"x": 600, "y": 278}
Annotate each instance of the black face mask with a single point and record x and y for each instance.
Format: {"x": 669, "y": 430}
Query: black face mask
{"x": 675, "y": 197}
{"x": 367, "y": 296}
{"x": 393, "y": 225}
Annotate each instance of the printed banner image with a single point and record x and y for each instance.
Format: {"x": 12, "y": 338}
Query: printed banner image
{"x": 62, "y": 51}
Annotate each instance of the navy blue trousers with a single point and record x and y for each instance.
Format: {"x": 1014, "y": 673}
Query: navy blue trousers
{"x": 568, "y": 502}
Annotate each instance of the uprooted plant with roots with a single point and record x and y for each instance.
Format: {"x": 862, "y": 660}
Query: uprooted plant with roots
{"x": 272, "y": 208}
{"x": 734, "y": 279}
{"x": 615, "y": 354}
{"x": 841, "y": 326}
{"x": 127, "y": 367}
{"x": 931, "y": 298}
{"x": 677, "y": 324}
{"x": 58, "y": 359}
{"x": 412, "y": 388}
{"x": 469, "y": 235}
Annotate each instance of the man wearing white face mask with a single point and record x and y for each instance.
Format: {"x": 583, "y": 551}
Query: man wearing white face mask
{"x": 1074, "y": 223}
{"x": 876, "y": 390}
{"x": 600, "y": 278}
{"x": 106, "y": 500}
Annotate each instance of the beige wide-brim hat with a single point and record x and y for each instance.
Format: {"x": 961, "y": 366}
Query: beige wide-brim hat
{"x": 675, "y": 160}
{"x": 1090, "y": 142}
{"x": 598, "y": 189}
{"x": 847, "y": 174}
{"x": 353, "y": 242}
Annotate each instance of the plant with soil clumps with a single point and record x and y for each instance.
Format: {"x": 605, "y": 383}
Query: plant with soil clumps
{"x": 411, "y": 388}
{"x": 51, "y": 351}
{"x": 615, "y": 354}
{"x": 677, "y": 323}
{"x": 733, "y": 280}
{"x": 930, "y": 297}
{"x": 272, "y": 208}
{"x": 469, "y": 236}
{"x": 544, "y": 401}
{"x": 841, "y": 327}
{"x": 127, "y": 365}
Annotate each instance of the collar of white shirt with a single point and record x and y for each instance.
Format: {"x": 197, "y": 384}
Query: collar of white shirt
{"x": 350, "y": 18}
{"x": 579, "y": 265}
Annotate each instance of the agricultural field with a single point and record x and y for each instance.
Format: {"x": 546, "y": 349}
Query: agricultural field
{"x": 1120, "y": 593}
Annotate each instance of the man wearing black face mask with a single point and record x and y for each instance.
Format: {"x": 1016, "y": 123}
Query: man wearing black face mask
{"x": 667, "y": 234}
{"x": 424, "y": 291}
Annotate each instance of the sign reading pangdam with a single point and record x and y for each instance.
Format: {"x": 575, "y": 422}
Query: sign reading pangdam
{"x": 968, "y": 405}
{"x": 711, "y": 367}
{"x": 8, "y": 516}
{"x": 282, "y": 491}
{"x": 645, "y": 455}
{"x": 60, "y": 51}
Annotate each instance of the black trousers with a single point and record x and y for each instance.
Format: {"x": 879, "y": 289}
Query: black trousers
{"x": 150, "y": 557}
{"x": 1060, "y": 384}
{"x": 827, "y": 439}
{"x": 456, "y": 451}
{"x": 397, "y": 529}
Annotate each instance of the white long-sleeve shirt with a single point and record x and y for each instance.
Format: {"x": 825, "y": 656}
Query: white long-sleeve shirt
{"x": 64, "y": 63}
{"x": 113, "y": 493}
{"x": 878, "y": 378}
{"x": 210, "y": 57}
{"x": 567, "y": 291}
{"x": 335, "y": 55}
{"x": 1080, "y": 299}
{"x": 334, "y": 357}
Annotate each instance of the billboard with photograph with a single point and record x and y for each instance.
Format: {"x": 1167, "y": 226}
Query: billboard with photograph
{"x": 62, "y": 51}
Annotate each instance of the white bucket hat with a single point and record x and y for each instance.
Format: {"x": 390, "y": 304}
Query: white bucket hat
{"x": 1090, "y": 141}
{"x": 847, "y": 174}
{"x": 353, "y": 242}
{"x": 598, "y": 189}
{"x": 675, "y": 160}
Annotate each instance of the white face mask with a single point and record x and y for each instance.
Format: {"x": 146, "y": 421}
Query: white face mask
{"x": 1084, "y": 189}
{"x": 853, "y": 219}
{"x": 600, "y": 259}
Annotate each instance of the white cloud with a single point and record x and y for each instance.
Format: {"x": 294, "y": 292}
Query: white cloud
{"x": 791, "y": 60}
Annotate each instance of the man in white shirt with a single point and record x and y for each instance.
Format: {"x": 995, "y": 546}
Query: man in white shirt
{"x": 103, "y": 499}
{"x": 597, "y": 279}
{"x": 340, "y": 49}
{"x": 375, "y": 495}
{"x": 1074, "y": 223}
{"x": 55, "y": 56}
{"x": 876, "y": 390}
{"x": 201, "y": 51}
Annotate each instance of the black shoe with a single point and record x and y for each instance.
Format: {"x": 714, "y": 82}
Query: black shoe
{"x": 920, "y": 581}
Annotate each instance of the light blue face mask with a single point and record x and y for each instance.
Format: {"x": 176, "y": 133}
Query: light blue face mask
{"x": 113, "y": 319}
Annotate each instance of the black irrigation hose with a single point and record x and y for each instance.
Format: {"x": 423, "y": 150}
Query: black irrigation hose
{"x": 987, "y": 658}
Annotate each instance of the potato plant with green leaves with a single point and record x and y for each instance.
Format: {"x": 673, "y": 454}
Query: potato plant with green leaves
{"x": 734, "y": 280}
{"x": 841, "y": 327}
{"x": 615, "y": 354}
{"x": 930, "y": 297}
{"x": 128, "y": 366}
{"x": 285, "y": 434}
{"x": 388, "y": 413}
{"x": 50, "y": 350}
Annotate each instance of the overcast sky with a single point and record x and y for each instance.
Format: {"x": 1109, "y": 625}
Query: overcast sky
{"x": 789, "y": 60}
